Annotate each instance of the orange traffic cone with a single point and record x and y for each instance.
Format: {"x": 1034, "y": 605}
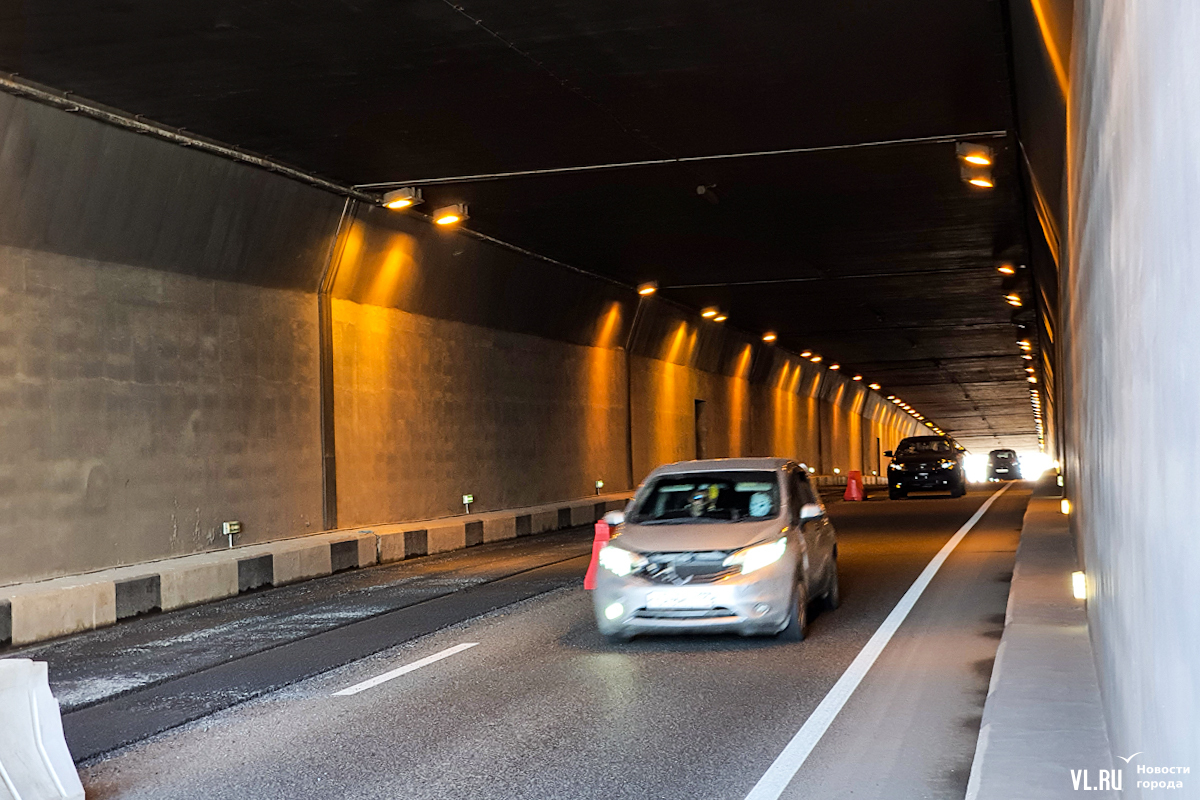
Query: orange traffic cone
{"x": 854, "y": 486}
{"x": 602, "y": 537}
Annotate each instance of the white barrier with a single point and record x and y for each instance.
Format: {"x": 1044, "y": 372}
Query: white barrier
{"x": 34, "y": 761}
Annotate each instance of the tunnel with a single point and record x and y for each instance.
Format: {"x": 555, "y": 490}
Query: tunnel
{"x": 337, "y": 340}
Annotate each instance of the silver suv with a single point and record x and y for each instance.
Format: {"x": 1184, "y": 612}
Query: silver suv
{"x": 726, "y": 545}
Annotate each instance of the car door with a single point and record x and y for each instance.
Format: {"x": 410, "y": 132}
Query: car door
{"x": 802, "y": 494}
{"x": 823, "y": 538}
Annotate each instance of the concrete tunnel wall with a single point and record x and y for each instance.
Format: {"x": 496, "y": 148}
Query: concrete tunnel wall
{"x": 1131, "y": 371}
{"x": 160, "y": 362}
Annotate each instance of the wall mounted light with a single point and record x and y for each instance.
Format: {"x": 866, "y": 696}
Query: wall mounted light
{"x": 1006, "y": 269}
{"x": 769, "y": 336}
{"x": 835, "y": 366}
{"x": 720, "y": 317}
{"x": 1013, "y": 299}
{"x": 450, "y": 215}
{"x": 709, "y": 312}
{"x": 648, "y": 288}
{"x": 815, "y": 359}
{"x": 405, "y": 197}
{"x": 857, "y": 378}
{"x": 806, "y": 354}
{"x": 876, "y": 386}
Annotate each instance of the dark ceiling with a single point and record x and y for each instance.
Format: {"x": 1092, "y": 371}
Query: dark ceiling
{"x": 878, "y": 257}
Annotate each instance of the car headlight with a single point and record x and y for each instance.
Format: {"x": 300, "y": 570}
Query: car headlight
{"x": 948, "y": 464}
{"x": 758, "y": 556}
{"x": 620, "y": 561}
{"x": 896, "y": 467}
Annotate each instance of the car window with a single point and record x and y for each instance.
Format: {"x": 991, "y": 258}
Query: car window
{"x": 709, "y": 497}
{"x": 913, "y": 447}
{"x": 803, "y": 490}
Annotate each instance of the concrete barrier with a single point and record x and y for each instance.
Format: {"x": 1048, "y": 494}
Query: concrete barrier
{"x": 34, "y": 760}
{"x": 33, "y": 612}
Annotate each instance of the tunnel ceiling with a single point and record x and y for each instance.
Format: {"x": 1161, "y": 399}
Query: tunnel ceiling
{"x": 879, "y": 258}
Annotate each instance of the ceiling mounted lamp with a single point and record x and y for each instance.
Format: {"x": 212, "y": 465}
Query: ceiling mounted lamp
{"x": 1006, "y": 269}
{"x": 876, "y": 386}
{"x": 1031, "y": 379}
{"x": 648, "y": 288}
{"x": 1027, "y": 357}
{"x": 1013, "y": 299}
{"x": 720, "y": 317}
{"x": 835, "y": 366}
{"x": 450, "y": 215}
{"x": 806, "y": 354}
{"x": 405, "y": 197}
{"x": 815, "y": 359}
{"x": 978, "y": 155}
{"x": 857, "y": 378}
{"x": 709, "y": 312}
{"x": 769, "y": 336}
{"x": 1025, "y": 345}
{"x": 1030, "y": 370}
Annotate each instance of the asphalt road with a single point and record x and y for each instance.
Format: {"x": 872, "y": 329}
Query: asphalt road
{"x": 541, "y": 707}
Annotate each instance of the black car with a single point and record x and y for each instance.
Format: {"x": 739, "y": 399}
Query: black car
{"x": 1003, "y": 466}
{"x": 923, "y": 463}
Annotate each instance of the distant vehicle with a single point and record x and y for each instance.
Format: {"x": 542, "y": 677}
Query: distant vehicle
{"x": 923, "y": 463}
{"x": 1003, "y": 466}
{"x": 739, "y": 545}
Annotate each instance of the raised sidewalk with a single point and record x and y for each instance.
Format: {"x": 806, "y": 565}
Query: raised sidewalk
{"x": 32, "y": 612}
{"x": 1043, "y": 721}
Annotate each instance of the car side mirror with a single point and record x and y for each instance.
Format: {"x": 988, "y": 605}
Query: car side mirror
{"x": 615, "y": 518}
{"x": 810, "y": 511}
{"x": 888, "y": 454}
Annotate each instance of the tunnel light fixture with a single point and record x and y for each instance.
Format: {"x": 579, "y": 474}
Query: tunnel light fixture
{"x": 1027, "y": 357}
{"x": 450, "y": 215}
{"x": 891, "y": 397}
{"x": 769, "y": 336}
{"x": 981, "y": 181}
{"x": 720, "y": 317}
{"x": 1006, "y": 269}
{"x": 1013, "y": 299}
{"x": 857, "y": 378}
{"x": 709, "y": 312}
{"x": 405, "y": 197}
{"x": 815, "y": 359}
{"x": 648, "y": 288}
{"x": 978, "y": 155}
{"x": 1024, "y": 344}
{"x": 876, "y": 386}
{"x": 806, "y": 354}
{"x": 1031, "y": 379}
{"x": 835, "y": 366}
{"x": 1030, "y": 370}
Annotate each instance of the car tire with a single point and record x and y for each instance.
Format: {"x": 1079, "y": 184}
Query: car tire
{"x": 959, "y": 489}
{"x": 833, "y": 595}
{"x": 797, "y": 625}
{"x": 897, "y": 494}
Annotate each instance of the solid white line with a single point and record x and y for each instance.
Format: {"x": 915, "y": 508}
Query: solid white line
{"x": 771, "y": 785}
{"x": 407, "y": 668}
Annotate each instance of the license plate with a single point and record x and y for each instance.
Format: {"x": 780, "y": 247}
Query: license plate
{"x": 676, "y": 599}
{"x": 923, "y": 475}
{"x": 1001, "y": 470}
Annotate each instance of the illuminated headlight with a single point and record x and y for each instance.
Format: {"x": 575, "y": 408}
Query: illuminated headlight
{"x": 758, "y": 556}
{"x": 897, "y": 467}
{"x": 620, "y": 561}
{"x": 947, "y": 464}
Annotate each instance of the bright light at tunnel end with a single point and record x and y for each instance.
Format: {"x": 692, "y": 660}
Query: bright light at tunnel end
{"x": 1079, "y": 585}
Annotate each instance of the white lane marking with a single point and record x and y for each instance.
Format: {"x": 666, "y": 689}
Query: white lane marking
{"x": 771, "y": 785}
{"x": 407, "y": 668}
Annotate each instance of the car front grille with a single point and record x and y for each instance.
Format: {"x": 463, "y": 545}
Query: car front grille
{"x": 705, "y": 613}
{"x": 677, "y": 569}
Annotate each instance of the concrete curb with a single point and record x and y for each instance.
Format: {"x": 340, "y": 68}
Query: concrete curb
{"x": 47, "y": 609}
{"x": 1043, "y": 716}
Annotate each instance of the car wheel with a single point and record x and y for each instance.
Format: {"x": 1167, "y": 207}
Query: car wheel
{"x": 897, "y": 494}
{"x": 833, "y": 597}
{"x": 959, "y": 489}
{"x": 797, "y": 624}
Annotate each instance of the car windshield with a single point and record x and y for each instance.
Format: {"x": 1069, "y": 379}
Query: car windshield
{"x": 709, "y": 497}
{"x": 1003, "y": 455}
{"x": 914, "y": 447}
